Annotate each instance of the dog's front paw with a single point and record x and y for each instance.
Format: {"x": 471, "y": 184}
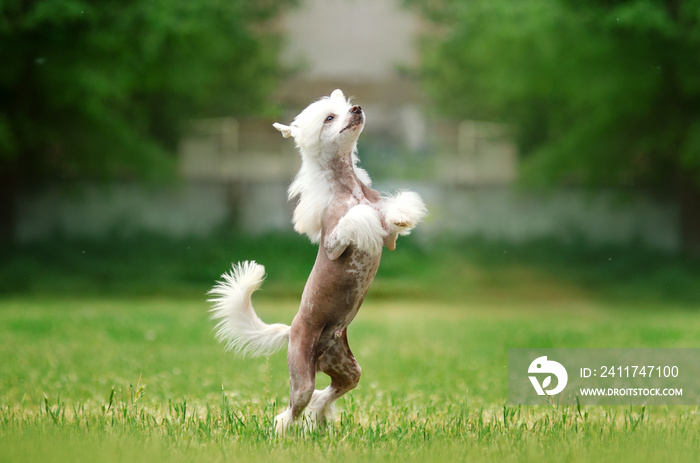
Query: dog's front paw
{"x": 403, "y": 212}
{"x": 399, "y": 221}
{"x": 360, "y": 226}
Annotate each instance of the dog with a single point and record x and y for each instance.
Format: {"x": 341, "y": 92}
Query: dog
{"x": 351, "y": 222}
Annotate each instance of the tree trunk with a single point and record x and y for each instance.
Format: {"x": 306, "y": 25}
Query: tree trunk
{"x": 690, "y": 217}
{"x": 8, "y": 204}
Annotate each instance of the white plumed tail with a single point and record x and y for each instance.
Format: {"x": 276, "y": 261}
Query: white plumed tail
{"x": 239, "y": 326}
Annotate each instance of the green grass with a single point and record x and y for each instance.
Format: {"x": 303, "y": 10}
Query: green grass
{"x": 141, "y": 379}
{"x": 108, "y": 354}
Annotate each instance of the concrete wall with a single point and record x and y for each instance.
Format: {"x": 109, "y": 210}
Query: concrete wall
{"x": 360, "y": 40}
{"x": 512, "y": 215}
{"x": 497, "y": 213}
{"x": 362, "y": 47}
{"x": 122, "y": 209}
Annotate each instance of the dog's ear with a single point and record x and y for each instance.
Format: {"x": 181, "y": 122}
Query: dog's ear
{"x": 286, "y": 130}
{"x": 337, "y": 94}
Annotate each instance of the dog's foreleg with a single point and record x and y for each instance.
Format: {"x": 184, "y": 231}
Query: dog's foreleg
{"x": 402, "y": 212}
{"x": 360, "y": 226}
{"x": 335, "y": 244}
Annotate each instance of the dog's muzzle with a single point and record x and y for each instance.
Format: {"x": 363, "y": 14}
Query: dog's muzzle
{"x": 358, "y": 117}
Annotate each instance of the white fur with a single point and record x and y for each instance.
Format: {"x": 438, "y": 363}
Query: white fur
{"x": 403, "y": 211}
{"x": 313, "y": 417}
{"x": 359, "y": 171}
{"x": 310, "y": 185}
{"x": 307, "y": 127}
{"x": 314, "y": 196}
{"x": 286, "y": 130}
{"x": 361, "y": 226}
{"x": 283, "y": 421}
{"x": 322, "y": 406}
{"x": 239, "y": 326}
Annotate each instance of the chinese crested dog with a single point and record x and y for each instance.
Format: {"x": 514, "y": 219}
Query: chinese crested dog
{"x": 351, "y": 222}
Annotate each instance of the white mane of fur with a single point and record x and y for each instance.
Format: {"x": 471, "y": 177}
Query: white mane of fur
{"x": 311, "y": 185}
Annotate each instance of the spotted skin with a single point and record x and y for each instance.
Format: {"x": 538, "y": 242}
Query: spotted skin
{"x": 332, "y": 297}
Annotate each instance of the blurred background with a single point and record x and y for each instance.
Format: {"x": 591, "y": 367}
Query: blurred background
{"x": 557, "y": 143}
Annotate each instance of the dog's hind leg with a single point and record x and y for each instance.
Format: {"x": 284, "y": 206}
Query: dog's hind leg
{"x": 301, "y": 357}
{"x": 338, "y": 363}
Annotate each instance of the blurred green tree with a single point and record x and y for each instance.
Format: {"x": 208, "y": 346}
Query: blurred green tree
{"x": 598, "y": 92}
{"x": 100, "y": 89}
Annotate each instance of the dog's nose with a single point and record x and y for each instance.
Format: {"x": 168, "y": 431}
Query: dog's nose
{"x": 356, "y": 109}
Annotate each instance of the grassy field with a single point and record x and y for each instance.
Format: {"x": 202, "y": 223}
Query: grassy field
{"x": 143, "y": 380}
{"x": 108, "y": 355}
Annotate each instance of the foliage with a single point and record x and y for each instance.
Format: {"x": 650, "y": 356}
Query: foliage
{"x": 455, "y": 270}
{"x": 600, "y": 92}
{"x": 141, "y": 380}
{"x": 99, "y": 89}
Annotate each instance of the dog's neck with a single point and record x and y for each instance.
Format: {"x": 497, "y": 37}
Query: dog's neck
{"x": 343, "y": 176}
{"x": 316, "y": 185}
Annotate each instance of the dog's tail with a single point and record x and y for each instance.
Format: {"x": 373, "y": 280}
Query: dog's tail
{"x": 239, "y": 326}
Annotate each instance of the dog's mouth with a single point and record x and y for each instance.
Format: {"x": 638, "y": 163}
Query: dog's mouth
{"x": 357, "y": 120}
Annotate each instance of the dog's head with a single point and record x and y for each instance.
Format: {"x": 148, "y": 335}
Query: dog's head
{"x": 326, "y": 127}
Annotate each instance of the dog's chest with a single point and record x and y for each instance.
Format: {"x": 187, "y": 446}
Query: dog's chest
{"x": 360, "y": 268}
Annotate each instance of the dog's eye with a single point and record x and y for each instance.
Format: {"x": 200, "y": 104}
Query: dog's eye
{"x": 330, "y": 118}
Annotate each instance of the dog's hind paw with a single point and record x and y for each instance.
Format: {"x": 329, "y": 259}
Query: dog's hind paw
{"x": 282, "y": 422}
{"x": 320, "y": 415}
